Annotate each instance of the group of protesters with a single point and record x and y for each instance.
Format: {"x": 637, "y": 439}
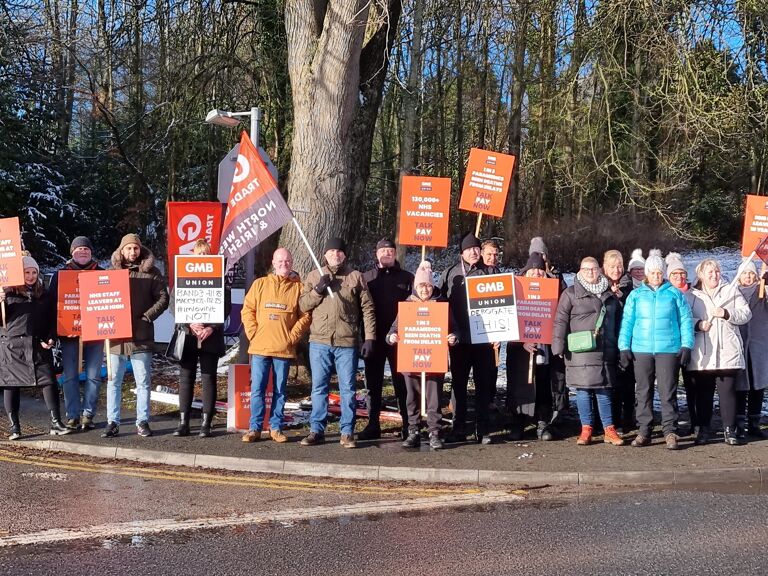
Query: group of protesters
{"x": 619, "y": 335}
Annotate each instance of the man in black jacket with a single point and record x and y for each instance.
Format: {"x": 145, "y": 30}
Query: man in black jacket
{"x": 388, "y": 285}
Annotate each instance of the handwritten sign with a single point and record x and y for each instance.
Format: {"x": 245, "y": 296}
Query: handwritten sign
{"x": 492, "y": 309}
{"x": 105, "y": 305}
{"x": 199, "y": 289}
{"x": 423, "y": 337}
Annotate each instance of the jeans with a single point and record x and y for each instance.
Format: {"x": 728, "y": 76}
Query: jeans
{"x": 93, "y": 355}
{"x": 260, "y": 367}
{"x": 322, "y": 360}
{"x": 142, "y": 373}
{"x": 584, "y": 405}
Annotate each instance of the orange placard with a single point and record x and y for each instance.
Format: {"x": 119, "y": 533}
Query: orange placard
{"x": 424, "y": 210}
{"x": 536, "y": 308}
{"x": 105, "y": 305}
{"x": 755, "y": 223}
{"x": 68, "y": 304}
{"x": 239, "y": 398}
{"x": 422, "y": 330}
{"x": 486, "y": 182}
{"x": 11, "y": 267}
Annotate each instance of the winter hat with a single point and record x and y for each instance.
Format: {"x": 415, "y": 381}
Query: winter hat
{"x": 535, "y": 260}
{"x": 129, "y": 239}
{"x": 385, "y": 243}
{"x": 636, "y": 260}
{"x": 674, "y": 263}
{"x": 748, "y": 266}
{"x": 423, "y": 274}
{"x": 469, "y": 240}
{"x": 654, "y": 262}
{"x": 335, "y": 244}
{"x": 537, "y": 245}
{"x": 29, "y": 262}
{"x": 79, "y": 242}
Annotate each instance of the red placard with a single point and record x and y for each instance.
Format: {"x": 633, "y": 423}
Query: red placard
{"x": 755, "y": 224}
{"x": 68, "y": 304}
{"x": 105, "y": 305}
{"x": 486, "y": 182}
{"x": 239, "y": 398}
{"x": 424, "y": 211}
{"x": 536, "y": 308}
{"x": 188, "y": 222}
{"x": 422, "y": 330}
{"x": 11, "y": 267}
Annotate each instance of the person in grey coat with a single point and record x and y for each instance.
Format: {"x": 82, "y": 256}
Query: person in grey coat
{"x": 752, "y": 382}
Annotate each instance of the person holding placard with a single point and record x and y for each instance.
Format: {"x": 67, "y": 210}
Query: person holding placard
{"x": 26, "y": 342}
{"x": 423, "y": 291}
{"x": 149, "y": 298}
{"x": 80, "y": 412}
{"x": 388, "y": 285}
{"x": 465, "y": 356}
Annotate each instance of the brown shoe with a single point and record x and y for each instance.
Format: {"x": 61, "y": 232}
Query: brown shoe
{"x": 610, "y": 436}
{"x": 641, "y": 440}
{"x": 348, "y": 441}
{"x": 585, "y": 437}
{"x": 313, "y": 439}
{"x": 252, "y": 436}
{"x": 671, "y": 440}
{"x": 278, "y": 436}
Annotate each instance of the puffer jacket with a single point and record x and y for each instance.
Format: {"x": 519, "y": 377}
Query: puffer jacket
{"x": 149, "y": 298}
{"x": 578, "y": 310}
{"x": 336, "y": 321}
{"x": 656, "y": 321}
{"x": 721, "y": 348}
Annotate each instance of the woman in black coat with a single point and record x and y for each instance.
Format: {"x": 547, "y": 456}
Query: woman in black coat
{"x": 26, "y": 340}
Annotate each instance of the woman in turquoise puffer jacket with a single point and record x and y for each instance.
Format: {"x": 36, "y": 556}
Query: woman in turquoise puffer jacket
{"x": 657, "y": 333}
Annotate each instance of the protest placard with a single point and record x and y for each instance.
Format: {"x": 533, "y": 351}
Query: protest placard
{"x": 486, "y": 182}
{"x": 199, "y": 289}
{"x": 424, "y": 211}
{"x": 68, "y": 304}
{"x": 755, "y": 224}
{"x": 492, "y": 308}
{"x": 11, "y": 267}
{"x": 239, "y": 398}
{"x": 105, "y": 305}
{"x": 189, "y": 222}
{"x": 422, "y": 329}
{"x": 536, "y": 308}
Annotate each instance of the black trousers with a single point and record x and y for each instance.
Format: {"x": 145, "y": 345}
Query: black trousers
{"x": 12, "y": 399}
{"x": 690, "y": 396}
{"x": 704, "y": 383}
{"x": 374, "y": 378}
{"x": 480, "y": 360}
{"x": 750, "y": 402}
{"x": 659, "y": 369}
{"x": 433, "y": 388}
{"x": 623, "y": 405}
{"x": 188, "y": 372}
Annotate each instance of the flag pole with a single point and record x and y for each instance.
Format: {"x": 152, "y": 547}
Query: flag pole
{"x": 311, "y": 253}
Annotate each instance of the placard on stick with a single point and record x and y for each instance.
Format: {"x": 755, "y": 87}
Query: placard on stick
{"x": 422, "y": 337}
{"x": 199, "y": 289}
{"x": 11, "y": 266}
{"x": 755, "y": 223}
{"x": 239, "y": 398}
{"x": 486, "y": 182}
{"x": 536, "y": 308}
{"x": 68, "y": 304}
{"x": 492, "y": 308}
{"x": 424, "y": 211}
{"x": 105, "y": 305}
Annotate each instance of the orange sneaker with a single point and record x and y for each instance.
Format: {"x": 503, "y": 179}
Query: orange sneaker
{"x": 610, "y": 436}
{"x": 585, "y": 437}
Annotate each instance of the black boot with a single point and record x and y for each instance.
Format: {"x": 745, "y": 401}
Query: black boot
{"x": 57, "y": 426}
{"x": 543, "y": 432}
{"x": 517, "y": 429}
{"x": 458, "y": 433}
{"x": 205, "y": 425}
{"x": 413, "y": 440}
{"x": 15, "y": 431}
{"x": 702, "y": 435}
{"x": 753, "y": 427}
{"x": 183, "y": 428}
{"x": 730, "y": 437}
{"x": 741, "y": 427}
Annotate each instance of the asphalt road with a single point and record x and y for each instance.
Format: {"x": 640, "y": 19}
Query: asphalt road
{"x": 74, "y": 515}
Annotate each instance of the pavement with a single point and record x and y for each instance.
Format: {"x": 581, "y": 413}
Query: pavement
{"x": 529, "y": 463}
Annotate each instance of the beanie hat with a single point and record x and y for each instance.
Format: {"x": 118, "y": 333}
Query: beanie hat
{"x": 636, "y": 260}
{"x": 748, "y": 266}
{"x": 654, "y": 262}
{"x": 674, "y": 263}
{"x": 79, "y": 242}
{"x": 537, "y": 245}
{"x": 129, "y": 239}
{"x": 423, "y": 274}
{"x": 29, "y": 262}
{"x": 385, "y": 243}
{"x": 535, "y": 261}
{"x": 469, "y": 240}
{"x": 335, "y": 244}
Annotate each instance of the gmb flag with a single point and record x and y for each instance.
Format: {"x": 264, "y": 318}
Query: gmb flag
{"x": 255, "y": 208}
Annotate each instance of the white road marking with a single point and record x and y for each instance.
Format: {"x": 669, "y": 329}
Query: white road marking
{"x": 139, "y": 527}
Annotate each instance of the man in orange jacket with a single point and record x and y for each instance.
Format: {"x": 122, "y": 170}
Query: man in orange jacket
{"x": 274, "y": 325}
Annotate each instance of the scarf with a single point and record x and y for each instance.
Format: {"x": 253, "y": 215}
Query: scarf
{"x": 596, "y": 289}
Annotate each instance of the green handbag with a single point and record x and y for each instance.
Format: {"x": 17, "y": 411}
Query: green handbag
{"x": 586, "y": 340}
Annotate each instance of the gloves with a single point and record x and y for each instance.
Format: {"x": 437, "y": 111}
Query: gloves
{"x": 685, "y": 356}
{"x": 322, "y": 285}
{"x": 625, "y": 359}
{"x": 367, "y": 349}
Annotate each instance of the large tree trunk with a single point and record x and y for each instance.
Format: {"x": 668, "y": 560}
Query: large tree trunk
{"x": 336, "y": 62}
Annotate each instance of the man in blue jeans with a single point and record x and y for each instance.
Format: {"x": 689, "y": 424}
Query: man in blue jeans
{"x": 339, "y": 301}
{"x": 149, "y": 297}
{"x": 81, "y": 250}
{"x": 274, "y": 326}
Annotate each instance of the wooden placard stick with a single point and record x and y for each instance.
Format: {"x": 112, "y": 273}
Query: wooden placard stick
{"x": 479, "y": 222}
{"x": 79, "y": 355}
{"x": 531, "y": 364}
{"x": 424, "y": 394}
{"x": 109, "y": 359}
{"x": 761, "y": 293}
